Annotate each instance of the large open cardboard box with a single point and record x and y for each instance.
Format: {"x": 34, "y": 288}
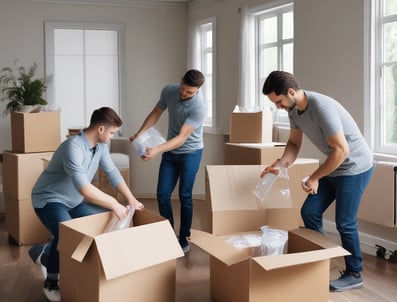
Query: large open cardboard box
{"x": 230, "y": 194}
{"x": 252, "y": 154}
{"x": 133, "y": 264}
{"x": 35, "y": 132}
{"x": 300, "y": 275}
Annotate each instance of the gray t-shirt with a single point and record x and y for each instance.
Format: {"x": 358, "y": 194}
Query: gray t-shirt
{"x": 322, "y": 118}
{"x": 191, "y": 112}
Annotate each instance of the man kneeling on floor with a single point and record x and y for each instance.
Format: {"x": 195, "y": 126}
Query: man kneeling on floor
{"x": 64, "y": 190}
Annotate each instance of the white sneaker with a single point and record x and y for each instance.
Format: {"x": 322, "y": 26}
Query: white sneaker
{"x": 51, "y": 290}
{"x": 35, "y": 253}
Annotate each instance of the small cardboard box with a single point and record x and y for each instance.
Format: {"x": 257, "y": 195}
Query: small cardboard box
{"x": 22, "y": 224}
{"x": 252, "y": 154}
{"x": 300, "y": 275}
{"x": 35, "y": 132}
{"x": 251, "y": 127}
{"x": 134, "y": 264}
{"x": 230, "y": 199}
{"x": 21, "y": 171}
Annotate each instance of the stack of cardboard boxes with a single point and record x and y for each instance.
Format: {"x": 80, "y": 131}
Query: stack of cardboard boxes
{"x": 34, "y": 137}
{"x": 251, "y": 139}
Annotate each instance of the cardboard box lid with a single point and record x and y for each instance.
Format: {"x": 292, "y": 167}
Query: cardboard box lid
{"x": 258, "y": 145}
{"x": 218, "y": 247}
{"x": 124, "y": 251}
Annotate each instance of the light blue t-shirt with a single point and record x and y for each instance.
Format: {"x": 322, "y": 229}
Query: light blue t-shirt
{"x": 72, "y": 166}
{"x": 322, "y": 118}
{"x": 191, "y": 112}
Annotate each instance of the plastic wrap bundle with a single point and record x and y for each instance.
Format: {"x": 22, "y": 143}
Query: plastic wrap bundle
{"x": 273, "y": 242}
{"x": 266, "y": 182}
{"x": 149, "y": 138}
{"x": 118, "y": 224}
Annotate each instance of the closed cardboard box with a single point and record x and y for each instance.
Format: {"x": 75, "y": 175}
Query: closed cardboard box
{"x": 35, "y": 132}
{"x": 21, "y": 171}
{"x": 252, "y": 154}
{"x": 251, "y": 127}
{"x": 133, "y": 264}
{"x": 22, "y": 224}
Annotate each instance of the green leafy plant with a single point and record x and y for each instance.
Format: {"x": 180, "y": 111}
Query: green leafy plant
{"x": 21, "y": 89}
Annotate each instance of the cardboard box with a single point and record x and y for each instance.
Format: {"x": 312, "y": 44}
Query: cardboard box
{"x": 22, "y": 170}
{"x": 22, "y": 224}
{"x": 102, "y": 182}
{"x": 300, "y": 275}
{"x": 252, "y": 154}
{"x": 35, "y": 132}
{"x": 134, "y": 264}
{"x": 251, "y": 127}
{"x": 235, "y": 275}
{"x": 230, "y": 199}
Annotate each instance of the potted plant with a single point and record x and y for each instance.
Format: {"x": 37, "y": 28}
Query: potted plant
{"x": 22, "y": 90}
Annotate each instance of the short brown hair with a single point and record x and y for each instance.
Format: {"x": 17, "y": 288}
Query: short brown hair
{"x": 105, "y": 116}
{"x": 193, "y": 78}
{"x": 279, "y": 82}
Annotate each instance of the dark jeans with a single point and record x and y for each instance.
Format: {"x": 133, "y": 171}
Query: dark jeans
{"x": 347, "y": 192}
{"x": 53, "y": 214}
{"x": 185, "y": 167}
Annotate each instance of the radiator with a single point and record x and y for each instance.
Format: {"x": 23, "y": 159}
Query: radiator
{"x": 379, "y": 204}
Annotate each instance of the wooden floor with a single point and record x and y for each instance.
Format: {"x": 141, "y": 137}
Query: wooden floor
{"x": 21, "y": 280}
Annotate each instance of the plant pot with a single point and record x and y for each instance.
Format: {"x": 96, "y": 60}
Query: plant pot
{"x": 29, "y": 108}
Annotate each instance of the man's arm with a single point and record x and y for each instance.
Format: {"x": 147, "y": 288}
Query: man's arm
{"x": 171, "y": 144}
{"x": 340, "y": 150}
{"x": 149, "y": 121}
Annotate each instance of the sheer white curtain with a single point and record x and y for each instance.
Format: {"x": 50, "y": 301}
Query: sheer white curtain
{"x": 247, "y": 95}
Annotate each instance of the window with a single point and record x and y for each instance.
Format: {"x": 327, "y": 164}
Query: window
{"x": 203, "y": 58}
{"x": 384, "y": 62}
{"x": 271, "y": 33}
{"x": 82, "y": 64}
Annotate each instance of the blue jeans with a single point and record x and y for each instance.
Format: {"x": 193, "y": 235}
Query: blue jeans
{"x": 185, "y": 167}
{"x": 53, "y": 214}
{"x": 347, "y": 192}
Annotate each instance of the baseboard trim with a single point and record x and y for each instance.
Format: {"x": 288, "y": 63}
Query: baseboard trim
{"x": 367, "y": 242}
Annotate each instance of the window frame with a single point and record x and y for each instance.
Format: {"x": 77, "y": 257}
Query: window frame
{"x": 255, "y": 15}
{"x": 373, "y": 53}
{"x": 51, "y": 26}
{"x": 199, "y": 60}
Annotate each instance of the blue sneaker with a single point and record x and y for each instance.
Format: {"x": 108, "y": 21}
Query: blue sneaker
{"x": 347, "y": 280}
{"x": 35, "y": 253}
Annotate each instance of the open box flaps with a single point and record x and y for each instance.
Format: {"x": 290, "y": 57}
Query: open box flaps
{"x": 305, "y": 246}
{"x": 121, "y": 252}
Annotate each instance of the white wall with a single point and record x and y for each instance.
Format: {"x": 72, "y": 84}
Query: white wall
{"x": 156, "y": 54}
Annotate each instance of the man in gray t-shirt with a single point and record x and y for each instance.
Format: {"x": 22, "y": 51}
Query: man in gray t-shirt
{"x": 181, "y": 153}
{"x": 343, "y": 176}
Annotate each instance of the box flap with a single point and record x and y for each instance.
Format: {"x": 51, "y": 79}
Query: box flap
{"x": 218, "y": 247}
{"x": 279, "y": 261}
{"x": 231, "y": 187}
{"x": 313, "y": 236}
{"x": 129, "y": 250}
{"x": 82, "y": 249}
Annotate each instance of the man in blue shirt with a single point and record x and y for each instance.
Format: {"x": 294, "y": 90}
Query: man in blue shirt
{"x": 64, "y": 190}
{"x": 181, "y": 153}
